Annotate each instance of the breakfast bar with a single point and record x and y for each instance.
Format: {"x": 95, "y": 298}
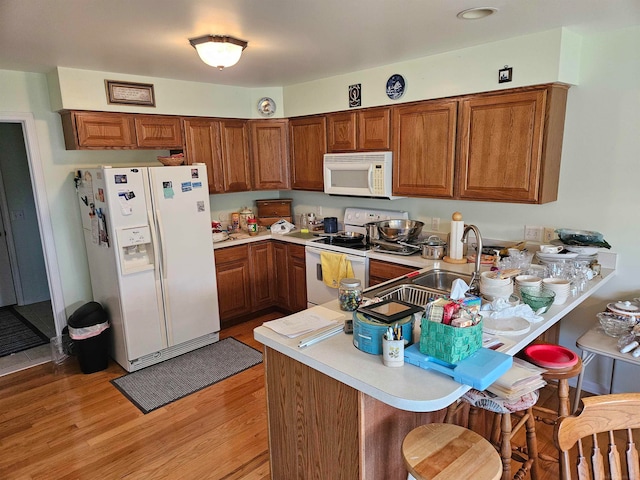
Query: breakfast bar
{"x": 337, "y": 412}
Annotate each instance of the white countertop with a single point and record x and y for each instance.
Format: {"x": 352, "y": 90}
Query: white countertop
{"x": 409, "y": 387}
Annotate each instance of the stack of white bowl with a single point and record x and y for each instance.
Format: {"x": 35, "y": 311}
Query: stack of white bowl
{"x": 560, "y": 286}
{"x": 495, "y": 287}
{"x": 527, "y": 281}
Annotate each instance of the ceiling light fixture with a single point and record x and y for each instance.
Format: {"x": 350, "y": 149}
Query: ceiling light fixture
{"x": 219, "y": 51}
{"x": 476, "y": 13}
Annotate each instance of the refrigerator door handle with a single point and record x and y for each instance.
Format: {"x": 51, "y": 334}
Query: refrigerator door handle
{"x": 163, "y": 250}
{"x": 154, "y": 242}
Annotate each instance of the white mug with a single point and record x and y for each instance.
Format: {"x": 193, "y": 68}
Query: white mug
{"x": 551, "y": 248}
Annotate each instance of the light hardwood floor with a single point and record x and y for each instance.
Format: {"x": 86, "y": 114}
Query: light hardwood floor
{"x": 61, "y": 424}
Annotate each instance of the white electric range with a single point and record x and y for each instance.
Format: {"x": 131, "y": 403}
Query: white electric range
{"x": 354, "y": 220}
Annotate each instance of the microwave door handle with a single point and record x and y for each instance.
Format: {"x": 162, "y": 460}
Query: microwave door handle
{"x": 370, "y": 178}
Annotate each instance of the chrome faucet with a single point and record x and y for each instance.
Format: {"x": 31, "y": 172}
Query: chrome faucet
{"x": 475, "y": 278}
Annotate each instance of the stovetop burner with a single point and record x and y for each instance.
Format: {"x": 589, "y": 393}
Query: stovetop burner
{"x": 333, "y": 240}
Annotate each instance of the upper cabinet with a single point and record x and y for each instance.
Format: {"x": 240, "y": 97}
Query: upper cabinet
{"x": 156, "y": 131}
{"x": 270, "y": 154}
{"x": 308, "y": 144}
{"x": 110, "y": 130}
{"x": 424, "y": 139}
{"x": 509, "y": 145}
{"x": 223, "y": 145}
{"x": 367, "y": 129}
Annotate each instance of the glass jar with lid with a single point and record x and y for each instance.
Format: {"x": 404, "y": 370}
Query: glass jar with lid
{"x": 350, "y": 294}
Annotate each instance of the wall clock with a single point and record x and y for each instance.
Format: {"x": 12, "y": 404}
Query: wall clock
{"x": 266, "y": 107}
{"x": 396, "y": 86}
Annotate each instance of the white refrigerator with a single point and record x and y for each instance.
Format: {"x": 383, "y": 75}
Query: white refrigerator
{"x": 147, "y": 232}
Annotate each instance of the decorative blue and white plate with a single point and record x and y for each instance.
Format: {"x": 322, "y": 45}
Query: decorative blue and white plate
{"x": 396, "y": 86}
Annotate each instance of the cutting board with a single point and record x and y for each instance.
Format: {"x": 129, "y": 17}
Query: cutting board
{"x": 479, "y": 370}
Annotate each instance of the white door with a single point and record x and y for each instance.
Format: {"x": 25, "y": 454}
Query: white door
{"x": 181, "y": 202}
{"x": 7, "y": 291}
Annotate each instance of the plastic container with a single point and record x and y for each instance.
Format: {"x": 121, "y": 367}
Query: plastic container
{"x": 89, "y": 330}
{"x": 350, "y": 294}
{"x": 252, "y": 226}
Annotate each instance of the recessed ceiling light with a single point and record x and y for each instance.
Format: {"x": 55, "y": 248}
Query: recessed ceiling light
{"x": 476, "y": 13}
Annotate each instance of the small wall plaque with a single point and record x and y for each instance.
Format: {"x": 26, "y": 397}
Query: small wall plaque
{"x": 127, "y": 93}
{"x": 355, "y": 95}
{"x": 504, "y": 75}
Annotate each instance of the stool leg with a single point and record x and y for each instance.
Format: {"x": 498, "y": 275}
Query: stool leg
{"x": 505, "y": 445}
{"x": 473, "y": 419}
{"x": 563, "y": 398}
{"x": 532, "y": 443}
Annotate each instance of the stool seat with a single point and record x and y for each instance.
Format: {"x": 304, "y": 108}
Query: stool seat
{"x": 442, "y": 451}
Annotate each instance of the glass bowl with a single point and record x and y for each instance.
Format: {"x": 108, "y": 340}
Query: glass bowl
{"x": 613, "y": 325}
{"x": 539, "y": 299}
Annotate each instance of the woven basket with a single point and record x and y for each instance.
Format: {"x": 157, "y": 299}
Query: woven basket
{"x": 447, "y": 343}
{"x": 171, "y": 161}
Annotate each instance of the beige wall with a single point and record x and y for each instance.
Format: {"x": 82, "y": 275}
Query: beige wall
{"x": 598, "y": 180}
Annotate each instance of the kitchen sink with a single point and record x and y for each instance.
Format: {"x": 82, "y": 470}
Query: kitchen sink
{"x": 440, "y": 280}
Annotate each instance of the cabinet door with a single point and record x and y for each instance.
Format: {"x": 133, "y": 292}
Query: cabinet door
{"x": 203, "y": 145}
{"x": 380, "y": 271}
{"x": 281, "y": 265}
{"x": 308, "y": 141}
{"x": 270, "y": 154}
{"x": 424, "y": 139}
{"x": 500, "y": 150}
{"x": 262, "y": 275}
{"x": 236, "y": 169}
{"x": 297, "y": 278}
{"x": 99, "y": 130}
{"x": 374, "y": 129}
{"x": 341, "y": 132}
{"x": 233, "y": 277}
{"x": 157, "y": 131}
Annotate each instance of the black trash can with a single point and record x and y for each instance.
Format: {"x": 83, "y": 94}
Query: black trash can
{"x": 89, "y": 330}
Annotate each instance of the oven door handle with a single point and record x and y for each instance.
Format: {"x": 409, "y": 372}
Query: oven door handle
{"x": 351, "y": 258}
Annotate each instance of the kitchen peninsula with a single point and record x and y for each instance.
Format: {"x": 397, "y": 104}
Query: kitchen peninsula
{"x": 337, "y": 412}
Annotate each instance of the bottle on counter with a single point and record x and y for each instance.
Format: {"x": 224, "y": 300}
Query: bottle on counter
{"x": 252, "y": 226}
{"x": 350, "y": 294}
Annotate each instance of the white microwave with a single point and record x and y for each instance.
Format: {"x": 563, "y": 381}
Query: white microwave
{"x": 362, "y": 174}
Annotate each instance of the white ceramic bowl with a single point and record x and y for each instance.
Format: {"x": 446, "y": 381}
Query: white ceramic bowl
{"x": 486, "y": 278}
{"x": 560, "y": 286}
{"x": 496, "y": 291}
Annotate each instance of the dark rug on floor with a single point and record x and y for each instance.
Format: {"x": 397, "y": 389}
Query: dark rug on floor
{"x": 166, "y": 382}
{"x": 17, "y": 334}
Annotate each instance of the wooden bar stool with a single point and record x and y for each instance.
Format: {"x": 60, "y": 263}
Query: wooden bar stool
{"x": 559, "y": 378}
{"x": 440, "y": 451}
{"x": 503, "y": 430}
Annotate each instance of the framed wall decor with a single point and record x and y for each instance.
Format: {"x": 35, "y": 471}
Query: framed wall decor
{"x": 505, "y": 74}
{"x": 355, "y": 95}
{"x": 128, "y": 93}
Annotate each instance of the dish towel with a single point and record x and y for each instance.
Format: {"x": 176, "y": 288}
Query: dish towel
{"x": 335, "y": 267}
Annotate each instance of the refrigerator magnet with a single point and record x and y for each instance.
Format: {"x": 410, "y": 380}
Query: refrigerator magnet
{"x": 167, "y": 189}
{"x": 194, "y": 173}
{"x": 186, "y": 186}
{"x": 200, "y": 206}
{"x": 196, "y": 184}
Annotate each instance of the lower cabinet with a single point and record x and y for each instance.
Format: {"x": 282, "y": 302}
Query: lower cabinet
{"x": 291, "y": 280}
{"x": 259, "y": 276}
{"x": 380, "y": 271}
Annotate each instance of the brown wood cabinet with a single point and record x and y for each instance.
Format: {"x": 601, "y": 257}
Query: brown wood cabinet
{"x": 321, "y": 428}
{"x": 291, "y": 280}
{"x": 263, "y": 275}
{"x": 308, "y": 144}
{"x": 204, "y": 145}
{"x": 381, "y": 271}
{"x": 113, "y": 130}
{"x": 424, "y": 140}
{"x": 510, "y": 145}
{"x": 270, "y": 154}
{"x": 368, "y": 129}
{"x": 158, "y": 131}
{"x": 234, "y": 283}
{"x": 223, "y": 145}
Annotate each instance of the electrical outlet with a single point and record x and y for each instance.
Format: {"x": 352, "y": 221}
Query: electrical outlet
{"x": 533, "y": 234}
{"x": 435, "y": 224}
{"x": 549, "y": 234}
{"x": 319, "y": 211}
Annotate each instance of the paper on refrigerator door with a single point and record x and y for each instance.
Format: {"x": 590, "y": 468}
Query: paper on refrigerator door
{"x": 304, "y": 322}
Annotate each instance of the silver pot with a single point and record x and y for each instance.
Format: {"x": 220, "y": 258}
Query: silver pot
{"x": 372, "y": 232}
{"x": 433, "y": 248}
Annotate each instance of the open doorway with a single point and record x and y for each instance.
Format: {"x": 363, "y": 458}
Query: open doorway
{"x": 29, "y": 276}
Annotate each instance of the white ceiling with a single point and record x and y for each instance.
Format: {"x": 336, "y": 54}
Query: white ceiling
{"x": 290, "y": 41}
